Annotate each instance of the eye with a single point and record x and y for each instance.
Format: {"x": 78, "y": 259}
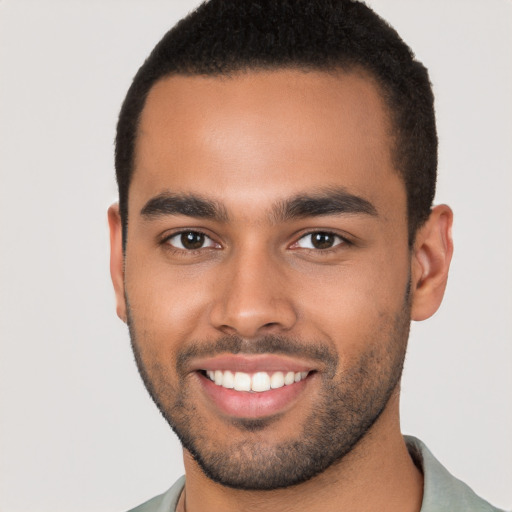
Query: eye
{"x": 319, "y": 240}
{"x": 190, "y": 241}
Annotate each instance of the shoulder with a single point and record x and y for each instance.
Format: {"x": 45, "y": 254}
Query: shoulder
{"x": 165, "y": 502}
{"x": 442, "y": 491}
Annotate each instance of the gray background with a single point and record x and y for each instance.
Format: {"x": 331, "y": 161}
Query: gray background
{"x": 77, "y": 430}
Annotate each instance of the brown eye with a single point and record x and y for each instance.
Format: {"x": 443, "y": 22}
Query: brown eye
{"x": 319, "y": 240}
{"x": 322, "y": 240}
{"x": 190, "y": 241}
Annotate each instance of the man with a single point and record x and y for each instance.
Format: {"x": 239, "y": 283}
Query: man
{"x": 274, "y": 238}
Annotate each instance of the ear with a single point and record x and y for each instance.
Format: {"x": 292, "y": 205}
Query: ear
{"x": 432, "y": 254}
{"x": 117, "y": 259}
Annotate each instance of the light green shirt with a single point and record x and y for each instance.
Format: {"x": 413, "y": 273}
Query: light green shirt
{"x": 442, "y": 492}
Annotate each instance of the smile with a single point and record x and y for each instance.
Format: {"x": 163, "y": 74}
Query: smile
{"x": 258, "y": 382}
{"x": 254, "y": 385}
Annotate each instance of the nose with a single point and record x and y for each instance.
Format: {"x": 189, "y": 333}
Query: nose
{"x": 253, "y": 297}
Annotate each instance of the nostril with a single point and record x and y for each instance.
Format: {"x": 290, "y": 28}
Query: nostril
{"x": 252, "y": 315}
{"x": 227, "y": 329}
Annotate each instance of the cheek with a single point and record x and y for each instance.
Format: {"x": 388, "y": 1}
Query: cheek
{"x": 168, "y": 305}
{"x": 351, "y": 303}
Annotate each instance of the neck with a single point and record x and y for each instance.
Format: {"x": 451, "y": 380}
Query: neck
{"x": 378, "y": 474}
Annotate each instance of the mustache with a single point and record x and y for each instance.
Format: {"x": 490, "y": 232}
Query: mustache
{"x": 269, "y": 344}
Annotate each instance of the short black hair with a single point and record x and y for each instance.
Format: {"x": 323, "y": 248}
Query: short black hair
{"x": 222, "y": 37}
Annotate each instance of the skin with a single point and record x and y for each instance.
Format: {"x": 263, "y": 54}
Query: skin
{"x": 250, "y": 142}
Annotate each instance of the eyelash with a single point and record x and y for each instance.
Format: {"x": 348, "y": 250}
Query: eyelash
{"x": 189, "y": 252}
{"x": 344, "y": 242}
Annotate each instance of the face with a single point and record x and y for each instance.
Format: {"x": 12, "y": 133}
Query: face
{"x": 267, "y": 270}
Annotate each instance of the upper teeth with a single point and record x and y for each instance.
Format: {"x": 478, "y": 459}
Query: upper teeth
{"x": 260, "y": 381}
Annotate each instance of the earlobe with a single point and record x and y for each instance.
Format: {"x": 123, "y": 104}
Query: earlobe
{"x": 117, "y": 259}
{"x": 431, "y": 259}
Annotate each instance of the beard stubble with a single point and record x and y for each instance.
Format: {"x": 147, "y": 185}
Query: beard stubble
{"x": 348, "y": 405}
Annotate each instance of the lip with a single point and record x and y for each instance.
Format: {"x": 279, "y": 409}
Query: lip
{"x": 252, "y": 363}
{"x": 248, "y": 404}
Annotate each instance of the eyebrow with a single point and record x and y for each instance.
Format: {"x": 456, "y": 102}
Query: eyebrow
{"x": 189, "y": 205}
{"x": 328, "y": 202}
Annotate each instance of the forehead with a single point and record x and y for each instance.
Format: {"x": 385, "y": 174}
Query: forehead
{"x": 260, "y": 135}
